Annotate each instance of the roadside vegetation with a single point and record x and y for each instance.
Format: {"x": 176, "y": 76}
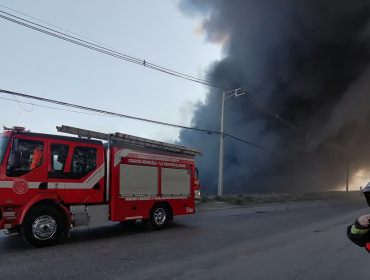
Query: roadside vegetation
{"x": 251, "y": 199}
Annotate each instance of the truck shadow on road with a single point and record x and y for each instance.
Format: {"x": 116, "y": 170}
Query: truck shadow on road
{"x": 106, "y": 233}
{"x": 117, "y": 230}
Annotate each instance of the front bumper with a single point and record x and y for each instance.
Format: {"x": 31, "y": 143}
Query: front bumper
{"x": 8, "y": 218}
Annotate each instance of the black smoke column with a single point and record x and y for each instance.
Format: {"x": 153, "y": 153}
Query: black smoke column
{"x": 308, "y": 60}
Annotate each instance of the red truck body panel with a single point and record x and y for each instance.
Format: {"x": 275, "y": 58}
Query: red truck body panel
{"x": 127, "y": 208}
{"x": 21, "y": 189}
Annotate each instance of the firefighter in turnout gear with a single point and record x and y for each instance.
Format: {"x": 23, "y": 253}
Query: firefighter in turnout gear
{"x": 359, "y": 232}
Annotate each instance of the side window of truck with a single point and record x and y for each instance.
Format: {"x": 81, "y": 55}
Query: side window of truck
{"x": 84, "y": 160}
{"x": 59, "y": 155}
{"x": 31, "y": 157}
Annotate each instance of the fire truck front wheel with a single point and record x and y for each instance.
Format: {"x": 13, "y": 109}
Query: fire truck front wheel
{"x": 158, "y": 217}
{"x": 42, "y": 226}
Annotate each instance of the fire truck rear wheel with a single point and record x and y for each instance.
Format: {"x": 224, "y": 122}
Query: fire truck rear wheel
{"x": 158, "y": 217}
{"x": 42, "y": 226}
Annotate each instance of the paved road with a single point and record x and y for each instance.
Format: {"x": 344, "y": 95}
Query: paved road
{"x": 294, "y": 241}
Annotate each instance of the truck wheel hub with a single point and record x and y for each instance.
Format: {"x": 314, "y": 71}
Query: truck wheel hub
{"x": 44, "y": 227}
{"x": 159, "y": 216}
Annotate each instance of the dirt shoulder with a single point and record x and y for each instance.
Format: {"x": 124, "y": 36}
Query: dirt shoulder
{"x": 232, "y": 201}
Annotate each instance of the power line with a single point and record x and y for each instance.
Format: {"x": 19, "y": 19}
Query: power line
{"x": 72, "y": 111}
{"x": 102, "y": 44}
{"x": 103, "y": 115}
{"x": 104, "y": 50}
{"x": 55, "y": 26}
{"x": 251, "y": 144}
{"x": 19, "y": 103}
{"x": 103, "y": 112}
{"x": 253, "y": 99}
{"x": 120, "y": 55}
{"x": 112, "y": 114}
{"x": 54, "y": 108}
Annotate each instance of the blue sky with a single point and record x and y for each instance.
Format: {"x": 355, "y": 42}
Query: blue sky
{"x": 157, "y": 31}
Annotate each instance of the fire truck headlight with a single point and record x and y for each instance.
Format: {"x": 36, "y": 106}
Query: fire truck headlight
{"x": 197, "y": 194}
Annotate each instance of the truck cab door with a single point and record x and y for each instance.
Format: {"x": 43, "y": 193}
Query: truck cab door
{"x": 85, "y": 177}
{"x": 26, "y": 176}
{"x": 58, "y": 166}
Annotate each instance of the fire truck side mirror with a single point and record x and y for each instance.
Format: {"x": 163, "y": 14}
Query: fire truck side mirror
{"x": 15, "y": 160}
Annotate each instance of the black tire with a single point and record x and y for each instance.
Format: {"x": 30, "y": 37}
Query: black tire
{"x": 158, "y": 217}
{"x": 50, "y": 222}
{"x": 19, "y": 229}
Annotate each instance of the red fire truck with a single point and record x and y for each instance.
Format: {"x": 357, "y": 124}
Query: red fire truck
{"x": 50, "y": 184}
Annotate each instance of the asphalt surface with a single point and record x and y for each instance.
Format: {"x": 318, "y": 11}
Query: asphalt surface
{"x": 293, "y": 241}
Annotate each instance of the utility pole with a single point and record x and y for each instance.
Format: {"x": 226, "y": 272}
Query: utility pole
{"x": 221, "y": 157}
{"x": 222, "y": 138}
{"x": 347, "y": 183}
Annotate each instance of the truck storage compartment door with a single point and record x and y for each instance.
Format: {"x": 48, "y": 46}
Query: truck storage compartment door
{"x": 175, "y": 182}
{"x": 138, "y": 180}
{"x": 88, "y": 216}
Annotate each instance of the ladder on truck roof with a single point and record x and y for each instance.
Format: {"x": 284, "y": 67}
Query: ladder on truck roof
{"x": 129, "y": 139}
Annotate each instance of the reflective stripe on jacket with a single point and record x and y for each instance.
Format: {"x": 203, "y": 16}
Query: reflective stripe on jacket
{"x": 359, "y": 235}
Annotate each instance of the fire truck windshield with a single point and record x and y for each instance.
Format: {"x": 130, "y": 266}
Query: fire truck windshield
{"x": 3, "y": 144}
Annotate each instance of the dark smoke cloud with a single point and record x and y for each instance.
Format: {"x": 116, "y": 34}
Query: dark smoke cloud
{"x": 308, "y": 60}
